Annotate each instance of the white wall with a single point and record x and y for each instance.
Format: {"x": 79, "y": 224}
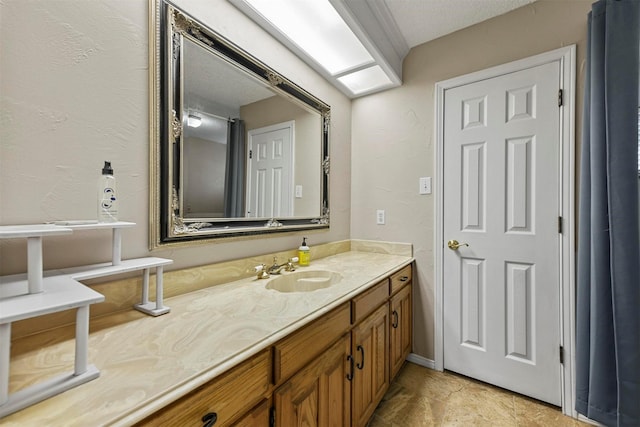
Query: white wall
{"x": 393, "y": 132}
{"x": 74, "y": 92}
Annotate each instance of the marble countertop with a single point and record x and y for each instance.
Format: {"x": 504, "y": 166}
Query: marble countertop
{"x": 146, "y": 363}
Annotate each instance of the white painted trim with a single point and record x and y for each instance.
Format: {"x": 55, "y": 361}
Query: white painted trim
{"x": 422, "y": 361}
{"x": 567, "y": 239}
{"x": 566, "y": 56}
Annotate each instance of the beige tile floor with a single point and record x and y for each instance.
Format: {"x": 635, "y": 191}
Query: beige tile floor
{"x": 423, "y": 397}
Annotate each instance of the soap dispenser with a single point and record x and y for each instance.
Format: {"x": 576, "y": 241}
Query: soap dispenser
{"x": 304, "y": 253}
{"x": 107, "y": 202}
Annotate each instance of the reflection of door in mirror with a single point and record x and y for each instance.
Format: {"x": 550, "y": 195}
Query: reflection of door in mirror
{"x": 270, "y": 180}
{"x": 307, "y": 158}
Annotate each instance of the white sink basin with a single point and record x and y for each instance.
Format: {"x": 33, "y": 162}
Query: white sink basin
{"x": 304, "y": 281}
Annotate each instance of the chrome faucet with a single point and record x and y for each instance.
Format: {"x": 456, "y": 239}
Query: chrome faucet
{"x": 288, "y": 266}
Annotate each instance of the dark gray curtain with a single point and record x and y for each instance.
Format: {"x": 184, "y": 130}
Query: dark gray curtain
{"x": 235, "y": 172}
{"x": 608, "y": 290}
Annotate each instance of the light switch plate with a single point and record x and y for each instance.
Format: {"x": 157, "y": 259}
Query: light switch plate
{"x": 425, "y": 185}
{"x": 298, "y": 191}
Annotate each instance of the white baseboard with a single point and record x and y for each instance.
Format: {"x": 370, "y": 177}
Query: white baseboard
{"x": 422, "y": 361}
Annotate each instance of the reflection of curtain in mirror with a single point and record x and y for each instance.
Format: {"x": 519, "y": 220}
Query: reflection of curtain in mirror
{"x": 234, "y": 181}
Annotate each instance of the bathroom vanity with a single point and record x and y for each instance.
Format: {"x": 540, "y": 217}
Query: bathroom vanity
{"x": 335, "y": 369}
{"x": 242, "y": 353}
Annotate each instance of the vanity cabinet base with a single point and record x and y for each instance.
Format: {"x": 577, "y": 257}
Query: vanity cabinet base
{"x": 332, "y": 372}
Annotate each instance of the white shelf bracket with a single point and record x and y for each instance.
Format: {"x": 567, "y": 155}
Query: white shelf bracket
{"x": 151, "y": 308}
{"x": 116, "y": 248}
{"x": 145, "y": 287}
{"x": 82, "y": 340}
{"x": 5, "y": 353}
{"x": 34, "y": 264}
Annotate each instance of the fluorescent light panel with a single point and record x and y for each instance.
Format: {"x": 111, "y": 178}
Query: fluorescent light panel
{"x": 365, "y": 80}
{"x": 316, "y": 28}
{"x": 316, "y": 31}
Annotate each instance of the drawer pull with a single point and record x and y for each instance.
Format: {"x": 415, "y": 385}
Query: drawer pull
{"x": 350, "y": 374}
{"x": 404, "y": 278}
{"x": 395, "y": 319}
{"x": 209, "y": 419}
{"x": 361, "y": 350}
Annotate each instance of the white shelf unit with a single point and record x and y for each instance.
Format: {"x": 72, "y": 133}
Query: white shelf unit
{"x": 39, "y": 292}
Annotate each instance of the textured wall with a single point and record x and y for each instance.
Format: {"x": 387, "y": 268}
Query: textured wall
{"x": 393, "y": 132}
{"x": 74, "y": 92}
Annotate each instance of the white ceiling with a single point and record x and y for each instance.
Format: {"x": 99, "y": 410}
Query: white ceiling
{"x": 420, "y": 21}
{"x": 390, "y": 28}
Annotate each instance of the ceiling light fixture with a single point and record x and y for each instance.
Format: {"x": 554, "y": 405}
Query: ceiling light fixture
{"x": 193, "y": 121}
{"x": 325, "y": 34}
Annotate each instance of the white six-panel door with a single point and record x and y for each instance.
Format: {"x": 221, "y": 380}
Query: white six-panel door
{"x": 501, "y": 197}
{"x": 269, "y": 192}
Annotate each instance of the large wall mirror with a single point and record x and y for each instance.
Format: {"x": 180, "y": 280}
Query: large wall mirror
{"x": 236, "y": 148}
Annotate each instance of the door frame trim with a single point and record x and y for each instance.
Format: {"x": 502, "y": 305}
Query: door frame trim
{"x": 566, "y": 56}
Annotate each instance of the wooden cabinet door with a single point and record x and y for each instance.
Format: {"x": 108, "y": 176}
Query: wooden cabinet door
{"x": 401, "y": 329}
{"x": 370, "y": 350}
{"x": 318, "y": 395}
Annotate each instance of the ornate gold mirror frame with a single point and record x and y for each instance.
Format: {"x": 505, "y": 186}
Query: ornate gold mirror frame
{"x": 169, "y": 28}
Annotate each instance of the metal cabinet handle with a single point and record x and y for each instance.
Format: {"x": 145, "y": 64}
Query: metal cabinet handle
{"x": 209, "y": 419}
{"x": 361, "y": 350}
{"x": 404, "y": 278}
{"x": 350, "y": 374}
{"x": 454, "y": 244}
{"x": 395, "y": 319}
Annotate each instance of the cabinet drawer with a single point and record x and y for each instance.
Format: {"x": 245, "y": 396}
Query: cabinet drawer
{"x": 230, "y": 395}
{"x": 258, "y": 417}
{"x": 401, "y": 278}
{"x": 368, "y": 301}
{"x": 299, "y": 348}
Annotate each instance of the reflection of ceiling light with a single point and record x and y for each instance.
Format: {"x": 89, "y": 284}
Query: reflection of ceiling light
{"x": 325, "y": 34}
{"x": 193, "y": 121}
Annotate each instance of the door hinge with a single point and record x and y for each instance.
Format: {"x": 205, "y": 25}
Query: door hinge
{"x": 561, "y": 355}
{"x": 560, "y": 98}
{"x": 272, "y": 417}
{"x": 251, "y": 154}
{"x": 560, "y": 224}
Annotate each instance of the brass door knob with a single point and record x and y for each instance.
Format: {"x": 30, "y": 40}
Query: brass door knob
{"x": 454, "y": 244}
